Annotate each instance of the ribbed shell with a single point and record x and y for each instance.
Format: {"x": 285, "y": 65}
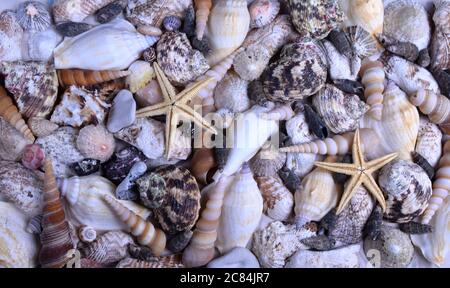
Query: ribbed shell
{"x": 78, "y": 77}
{"x": 76, "y": 10}
{"x": 278, "y": 200}
{"x": 429, "y": 141}
{"x": 109, "y": 248}
{"x": 263, "y": 12}
{"x": 33, "y": 16}
{"x": 153, "y": 12}
{"x": 440, "y": 42}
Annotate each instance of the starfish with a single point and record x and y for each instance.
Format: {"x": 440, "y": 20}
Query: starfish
{"x": 361, "y": 172}
{"x": 176, "y": 107}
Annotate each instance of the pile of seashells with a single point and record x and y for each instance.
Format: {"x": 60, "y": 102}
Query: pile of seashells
{"x": 92, "y": 173}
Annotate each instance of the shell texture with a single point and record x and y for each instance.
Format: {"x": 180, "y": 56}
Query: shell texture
{"x": 203, "y": 163}
{"x": 117, "y": 168}
{"x": 140, "y": 73}
{"x": 87, "y": 234}
{"x": 368, "y": 14}
{"x": 172, "y": 261}
{"x": 127, "y": 188}
{"x": 41, "y": 127}
{"x": 110, "y": 11}
{"x": 406, "y": 50}
{"x": 77, "y": 77}
{"x": 109, "y": 248}
{"x": 202, "y": 10}
{"x": 263, "y": 12}
{"x": 12, "y": 142}
{"x": 439, "y": 49}
{"x": 346, "y": 257}
{"x": 85, "y": 167}
{"x": 171, "y": 23}
{"x": 76, "y": 10}
{"x": 434, "y": 105}
{"x": 267, "y": 161}
{"x": 39, "y": 46}
{"x": 363, "y": 43}
{"x": 96, "y": 142}
{"x": 429, "y": 141}
{"x": 373, "y": 78}
{"x": 278, "y": 200}
{"x": 33, "y": 157}
{"x": 72, "y": 29}
{"x": 11, "y": 34}
{"x": 231, "y": 93}
{"x": 153, "y": 12}
{"x": 339, "y": 65}
{"x": 33, "y": 16}
{"x": 180, "y": 241}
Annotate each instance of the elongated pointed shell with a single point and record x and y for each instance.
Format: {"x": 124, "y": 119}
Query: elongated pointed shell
{"x": 76, "y": 10}
{"x": 435, "y": 106}
{"x": 373, "y": 80}
{"x": 202, "y": 7}
{"x": 88, "y": 77}
{"x": 278, "y": 200}
{"x": 145, "y": 232}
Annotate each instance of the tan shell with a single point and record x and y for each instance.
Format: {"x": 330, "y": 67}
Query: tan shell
{"x": 278, "y": 200}
{"x": 373, "y": 77}
{"x": 12, "y": 142}
{"x": 95, "y": 142}
{"x": 429, "y": 141}
{"x": 109, "y": 248}
{"x": 368, "y": 14}
{"x": 41, "y": 127}
{"x": 435, "y": 106}
{"x": 78, "y": 77}
{"x": 76, "y": 10}
{"x": 140, "y": 73}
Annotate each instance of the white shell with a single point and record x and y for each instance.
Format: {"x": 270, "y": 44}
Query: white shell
{"x": 241, "y": 212}
{"x": 111, "y": 46}
{"x": 76, "y": 10}
{"x": 141, "y": 72}
{"x": 18, "y": 248}
{"x": 231, "y": 93}
{"x": 10, "y": 37}
{"x": 429, "y": 141}
{"x": 39, "y": 46}
{"x": 346, "y": 257}
{"x": 278, "y": 200}
{"x": 85, "y": 205}
{"x": 339, "y": 65}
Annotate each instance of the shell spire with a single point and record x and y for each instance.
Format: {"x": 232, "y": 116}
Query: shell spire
{"x": 56, "y": 237}
{"x": 11, "y": 114}
{"x": 373, "y": 77}
{"x": 435, "y": 106}
{"x": 78, "y": 77}
{"x": 203, "y": 7}
{"x": 441, "y": 185}
{"x": 145, "y": 232}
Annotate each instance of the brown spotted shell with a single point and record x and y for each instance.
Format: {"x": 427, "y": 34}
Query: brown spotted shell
{"x": 173, "y": 194}
{"x": 300, "y": 72}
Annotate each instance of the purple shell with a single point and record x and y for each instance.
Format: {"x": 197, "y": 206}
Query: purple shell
{"x": 33, "y": 156}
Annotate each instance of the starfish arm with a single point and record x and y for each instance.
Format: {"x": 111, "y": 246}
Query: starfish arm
{"x": 171, "y": 126}
{"x": 157, "y": 109}
{"x": 343, "y": 168}
{"x": 187, "y": 94}
{"x": 190, "y": 114}
{"x": 376, "y": 164}
{"x": 350, "y": 189}
{"x": 373, "y": 188}
{"x": 358, "y": 157}
{"x": 167, "y": 89}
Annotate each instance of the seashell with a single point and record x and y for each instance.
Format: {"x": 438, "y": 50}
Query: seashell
{"x": 315, "y": 18}
{"x": 423, "y": 163}
{"x": 140, "y": 73}
{"x": 415, "y": 228}
{"x": 12, "y": 142}
{"x": 202, "y": 165}
{"x": 87, "y": 234}
{"x": 126, "y": 189}
{"x": 299, "y": 73}
{"x": 278, "y": 200}
{"x": 85, "y": 167}
{"x": 407, "y": 21}
{"x": 118, "y": 166}
{"x": 34, "y": 225}
{"x": 109, "y": 12}
{"x": 96, "y": 142}
{"x": 76, "y": 10}
{"x": 399, "y": 123}
{"x": 409, "y": 76}
{"x": 56, "y": 239}
{"x": 443, "y": 80}
{"x": 180, "y": 241}
{"x": 41, "y": 127}
{"x": 372, "y": 77}
{"x": 346, "y": 257}
{"x": 39, "y": 46}
{"x": 19, "y": 248}
{"x": 406, "y": 50}
{"x": 315, "y": 123}
{"x": 85, "y": 205}
{"x": 280, "y": 112}
{"x": 435, "y": 106}
{"x": 424, "y": 58}
{"x": 11, "y": 34}
{"x": 339, "y": 65}
{"x": 145, "y": 134}
{"x": 189, "y": 24}
{"x": 149, "y": 95}
{"x": 341, "y": 42}
{"x": 77, "y": 77}
{"x": 226, "y": 16}
{"x": 267, "y": 161}
{"x": 145, "y": 232}
{"x": 241, "y": 211}
{"x": 72, "y": 29}
{"x": 340, "y": 112}
{"x": 171, "y": 23}
{"x": 149, "y": 55}
{"x": 363, "y": 43}
{"x": 61, "y": 146}
{"x": 394, "y": 246}
{"x": 274, "y": 244}
{"x": 178, "y": 60}
{"x": 172, "y": 261}
{"x": 349, "y": 86}
{"x": 33, "y": 157}
{"x": 122, "y": 113}
{"x": 408, "y": 190}
{"x": 111, "y": 46}
{"x": 429, "y": 141}
{"x": 34, "y": 86}
{"x": 315, "y": 197}
{"x": 441, "y": 186}
{"x": 434, "y": 246}
{"x": 367, "y": 14}
{"x": 231, "y": 93}
{"x": 374, "y": 223}
{"x": 22, "y": 187}
{"x": 440, "y": 53}
{"x": 173, "y": 194}
{"x": 153, "y": 12}
{"x": 237, "y": 258}
{"x": 263, "y": 12}
{"x": 289, "y": 178}
{"x": 203, "y": 8}
{"x": 150, "y": 31}
{"x": 109, "y": 248}
{"x": 33, "y": 15}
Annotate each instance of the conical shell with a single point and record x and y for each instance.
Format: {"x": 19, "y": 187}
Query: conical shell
{"x": 439, "y": 49}
{"x": 228, "y": 26}
{"x": 145, "y": 232}
{"x": 76, "y": 10}
{"x": 279, "y": 113}
{"x": 278, "y": 200}
{"x": 373, "y": 80}
{"x": 10, "y": 37}
{"x": 429, "y": 141}
{"x": 111, "y": 46}
{"x": 368, "y": 14}
{"x": 435, "y": 106}
{"x": 109, "y": 248}
{"x": 77, "y": 77}
{"x": 339, "y": 65}
{"x": 399, "y": 124}
{"x": 202, "y": 10}
{"x": 241, "y": 211}
{"x": 56, "y": 237}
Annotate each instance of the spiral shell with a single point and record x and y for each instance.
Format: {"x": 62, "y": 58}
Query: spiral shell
{"x": 33, "y": 16}
{"x": 263, "y": 12}
{"x": 87, "y": 234}
{"x": 77, "y": 77}
{"x": 109, "y": 248}
{"x": 435, "y": 106}
{"x": 76, "y": 10}
{"x": 231, "y": 93}
{"x": 12, "y": 142}
{"x": 41, "y": 127}
{"x": 203, "y": 8}
{"x": 278, "y": 200}
{"x": 10, "y": 37}
{"x": 440, "y": 51}
{"x": 429, "y": 141}
{"x": 96, "y": 142}
{"x": 373, "y": 80}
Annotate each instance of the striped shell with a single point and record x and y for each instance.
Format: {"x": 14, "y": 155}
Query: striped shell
{"x": 172, "y": 261}
{"x": 278, "y": 200}
{"x": 109, "y": 248}
{"x": 33, "y": 16}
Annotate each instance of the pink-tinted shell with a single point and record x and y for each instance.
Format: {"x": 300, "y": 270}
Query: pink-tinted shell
{"x": 262, "y": 12}
{"x": 96, "y": 142}
{"x": 33, "y": 156}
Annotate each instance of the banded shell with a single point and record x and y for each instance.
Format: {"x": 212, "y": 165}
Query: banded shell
{"x": 408, "y": 190}
{"x": 394, "y": 246}
{"x": 33, "y": 16}
{"x": 373, "y": 80}
{"x": 434, "y": 105}
{"x": 140, "y": 73}
{"x": 315, "y": 18}
{"x": 172, "y": 261}
{"x": 367, "y": 14}
{"x": 299, "y": 73}
{"x": 10, "y": 37}
{"x": 278, "y": 200}
{"x": 34, "y": 86}
{"x": 175, "y": 201}
{"x": 96, "y": 142}
{"x": 76, "y": 10}
{"x": 231, "y": 93}
{"x": 109, "y": 248}
{"x": 263, "y": 12}
{"x": 78, "y": 77}
{"x": 153, "y": 12}
{"x": 407, "y": 21}
{"x": 340, "y": 112}
{"x": 12, "y": 142}
{"x": 39, "y": 46}
{"x": 439, "y": 49}
{"x": 429, "y": 141}
{"x": 22, "y": 187}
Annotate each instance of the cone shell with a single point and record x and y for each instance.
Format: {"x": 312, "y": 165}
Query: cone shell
{"x": 153, "y": 12}
{"x": 399, "y": 124}
{"x": 76, "y": 10}
{"x": 373, "y": 80}
{"x": 172, "y": 261}
{"x": 56, "y": 239}
{"x": 429, "y": 141}
{"x": 368, "y": 14}
{"x": 263, "y": 12}
{"x": 231, "y": 93}
{"x": 34, "y": 86}
{"x": 10, "y": 36}
{"x": 439, "y": 49}
{"x": 228, "y": 26}
{"x": 95, "y": 142}
{"x": 78, "y": 77}
{"x": 202, "y": 10}
{"x": 278, "y": 200}
{"x": 109, "y": 248}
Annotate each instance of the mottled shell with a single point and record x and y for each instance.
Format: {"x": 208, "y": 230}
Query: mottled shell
{"x": 141, "y": 72}
{"x": 34, "y": 86}
{"x": 178, "y": 60}
{"x": 76, "y": 10}
{"x": 96, "y": 142}
{"x": 172, "y": 261}
{"x": 439, "y": 49}
{"x": 117, "y": 168}
{"x": 394, "y": 246}
{"x": 10, "y": 37}
{"x": 180, "y": 204}
{"x": 340, "y": 112}
{"x": 22, "y": 187}
{"x": 277, "y": 242}
{"x": 263, "y": 12}
{"x": 33, "y": 157}
{"x": 407, "y": 21}
{"x": 407, "y": 188}
{"x": 278, "y": 200}
{"x": 153, "y": 12}
{"x": 267, "y": 161}
{"x": 33, "y": 16}
{"x": 315, "y": 18}
{"x": 41, "y": 127}
{"x": 300, "y": 72}
{"x": 429, "y": 141}
{"x": 12, "y": 142}
{"x": 231, "y": 93}
{"x": 109, "y": 248}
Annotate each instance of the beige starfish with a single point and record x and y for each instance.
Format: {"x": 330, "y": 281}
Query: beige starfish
{"x": 176, "y": 107}
{"x": 361, "y": 173}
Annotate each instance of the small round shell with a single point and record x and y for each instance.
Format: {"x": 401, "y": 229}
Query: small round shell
{"x": 33, "y": 16}
{"x": 87, "y": 234}
{"x": 231, "y": 93}
{"x": 172, "y": 23}
{"x": 33, "y": 156}
{"x": 96, "y": 142}
{"x": 141, "y": 72}
{"x": 262, "y": 12}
